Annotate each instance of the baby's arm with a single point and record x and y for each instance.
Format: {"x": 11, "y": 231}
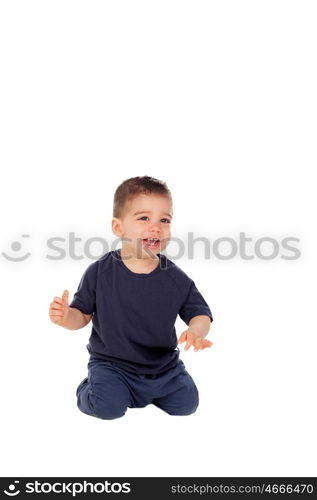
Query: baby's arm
{"x": 198, "y": 328}
{"x": 69, "y": 317}
{"x": 200, "y": 325}
{"x": 76, "y": 319}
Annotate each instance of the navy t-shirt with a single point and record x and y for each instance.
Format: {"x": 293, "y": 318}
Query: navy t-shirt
{"x": 134, "y": 314}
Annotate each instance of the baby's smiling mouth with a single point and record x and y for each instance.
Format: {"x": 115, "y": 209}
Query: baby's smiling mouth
{"x": 152, "y": 242}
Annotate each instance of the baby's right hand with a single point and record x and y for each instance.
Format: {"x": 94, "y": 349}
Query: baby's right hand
{"x": 59, "y": 309}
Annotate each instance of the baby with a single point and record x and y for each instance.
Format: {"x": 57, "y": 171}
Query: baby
{"x": 133, "y": 296}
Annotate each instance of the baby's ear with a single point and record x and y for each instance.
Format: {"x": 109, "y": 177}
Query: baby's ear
{"x": 116, "y": 227}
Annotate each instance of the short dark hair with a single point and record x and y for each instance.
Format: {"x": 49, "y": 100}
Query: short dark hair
{"x": 134, "y": 186}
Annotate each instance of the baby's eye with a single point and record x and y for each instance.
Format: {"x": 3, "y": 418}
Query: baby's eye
{"x": 145, "y": 216}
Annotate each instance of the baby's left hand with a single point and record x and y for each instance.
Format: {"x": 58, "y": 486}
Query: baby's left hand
{"x": 194, "y": 339}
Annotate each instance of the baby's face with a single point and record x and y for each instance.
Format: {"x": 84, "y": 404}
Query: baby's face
{"x": 146, "y": 216}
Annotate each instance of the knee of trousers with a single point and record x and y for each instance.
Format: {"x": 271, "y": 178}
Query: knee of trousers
{"x": 91, "y": 404}
{"x": 185, "y": 411}
{"x": 188, "y": 408}
{"x": 98, "y": 408}
{"x": 108, "y": 410}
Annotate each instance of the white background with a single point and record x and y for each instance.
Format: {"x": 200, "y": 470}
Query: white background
{"x": 217, "y": 99}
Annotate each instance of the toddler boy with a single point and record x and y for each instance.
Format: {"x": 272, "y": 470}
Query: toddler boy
{"x": 133, "y": 296}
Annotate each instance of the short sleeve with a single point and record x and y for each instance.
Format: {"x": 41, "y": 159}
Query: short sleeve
{"x": 85, "y": 297}
{"x": 194, "y": 305}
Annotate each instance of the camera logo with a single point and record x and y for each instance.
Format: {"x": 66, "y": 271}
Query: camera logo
{"x": 16, "y": 247}
{"x": 12, "y": 493}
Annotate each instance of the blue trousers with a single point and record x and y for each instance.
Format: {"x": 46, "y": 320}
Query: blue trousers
{"x": 108, "y": 390}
